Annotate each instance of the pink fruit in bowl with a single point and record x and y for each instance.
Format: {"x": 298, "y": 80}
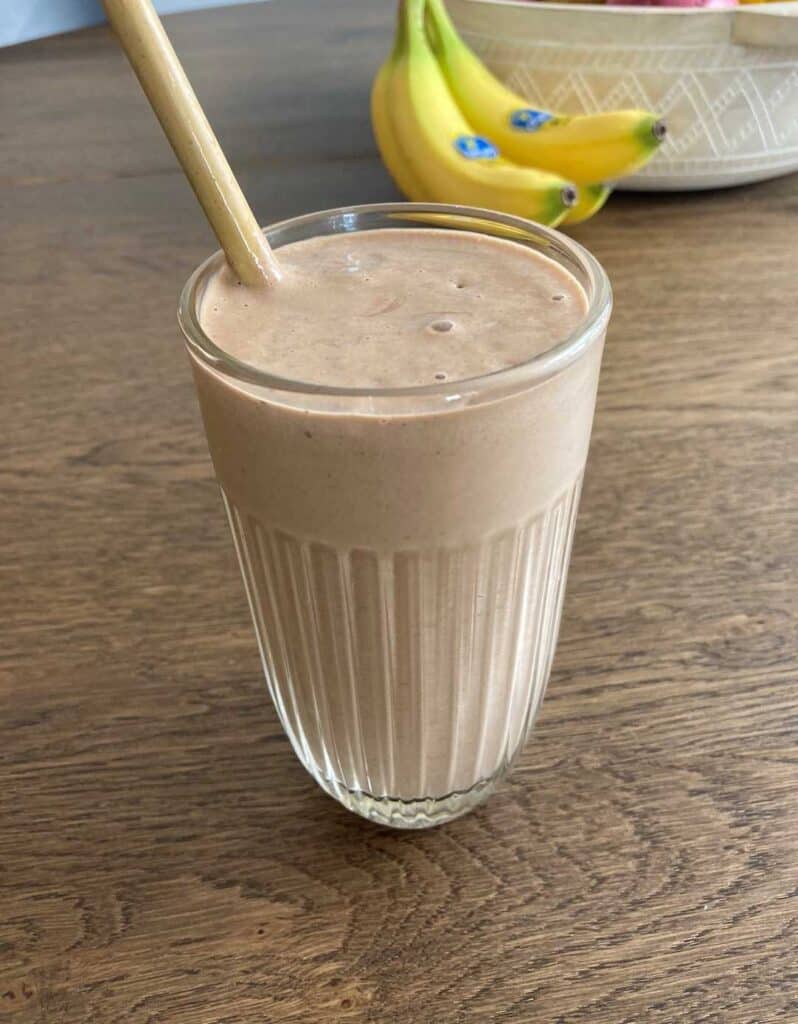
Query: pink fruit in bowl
{"x": 673, "y": 3}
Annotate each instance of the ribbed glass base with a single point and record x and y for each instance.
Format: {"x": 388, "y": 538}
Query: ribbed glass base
{"x": 416, "y": 673}
{"x": 424, "y": 813}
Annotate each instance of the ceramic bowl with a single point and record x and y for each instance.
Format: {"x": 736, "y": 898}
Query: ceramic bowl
{"x": 726, "y": 80}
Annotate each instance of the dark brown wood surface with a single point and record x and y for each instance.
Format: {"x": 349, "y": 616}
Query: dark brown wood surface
{"x": 163, "y": 857}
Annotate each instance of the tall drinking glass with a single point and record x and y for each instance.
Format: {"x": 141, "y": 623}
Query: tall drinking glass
{"x": 405, "y": 550}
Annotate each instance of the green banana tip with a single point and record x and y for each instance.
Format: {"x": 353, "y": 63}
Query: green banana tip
{"x": 650, "y": 132}
{"x": 569, "y": 196}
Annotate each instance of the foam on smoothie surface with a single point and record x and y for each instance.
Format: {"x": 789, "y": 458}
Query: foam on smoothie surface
{"x": 387, "y": 308}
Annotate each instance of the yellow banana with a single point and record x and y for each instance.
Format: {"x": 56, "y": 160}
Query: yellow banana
{"x": 431, "y": 150}
{"x": 584, "y": 149}
{"x": 381, "y": 123}
{"x": 591, "y": 200}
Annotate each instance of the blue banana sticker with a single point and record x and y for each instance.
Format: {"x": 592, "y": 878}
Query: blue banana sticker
{"x": 475, "y": 147}
{"x": 528, "y": 120}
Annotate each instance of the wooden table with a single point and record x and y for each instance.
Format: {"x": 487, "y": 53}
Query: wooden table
{"x": 163, "y": 857}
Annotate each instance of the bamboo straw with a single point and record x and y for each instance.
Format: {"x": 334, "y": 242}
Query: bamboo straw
{"x": 183, "y": 120}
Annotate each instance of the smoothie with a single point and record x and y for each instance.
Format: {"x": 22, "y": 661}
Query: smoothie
{"x": 404, "y": 556}
{"x": 394, "y": 309}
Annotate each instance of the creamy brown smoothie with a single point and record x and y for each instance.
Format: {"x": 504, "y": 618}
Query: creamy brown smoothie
{"x": 388, "y": 309}
{"x": 404, "y": 556}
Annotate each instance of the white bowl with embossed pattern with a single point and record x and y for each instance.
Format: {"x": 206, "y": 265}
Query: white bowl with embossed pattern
{"x": 726, "y": 80}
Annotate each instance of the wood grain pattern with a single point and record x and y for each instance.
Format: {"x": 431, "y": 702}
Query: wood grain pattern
{"x": 163, "y": 858}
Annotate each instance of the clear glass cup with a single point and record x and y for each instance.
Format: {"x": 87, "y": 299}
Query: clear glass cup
{"x": 405, "y": 550}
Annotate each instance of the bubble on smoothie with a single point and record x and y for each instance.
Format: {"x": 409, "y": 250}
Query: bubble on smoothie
{"x": 376, "y": 309}
{"x": 363, "y": 264}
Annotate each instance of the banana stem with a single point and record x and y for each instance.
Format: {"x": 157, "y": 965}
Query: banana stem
{"x": 442, "y": 36}
{"x": 414, "y": 24}
{"x": 439, "y": 16}
{"x": 400, "y": 39}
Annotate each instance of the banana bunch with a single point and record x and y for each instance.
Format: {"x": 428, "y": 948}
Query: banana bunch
{"x": 449, "y": 132}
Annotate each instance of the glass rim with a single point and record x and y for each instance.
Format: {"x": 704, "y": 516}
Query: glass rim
{"x": 530, "y": 371}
